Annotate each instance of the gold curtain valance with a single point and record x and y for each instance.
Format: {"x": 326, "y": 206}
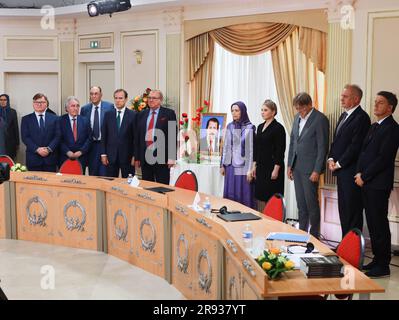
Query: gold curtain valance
{"x": 252, "y": 38}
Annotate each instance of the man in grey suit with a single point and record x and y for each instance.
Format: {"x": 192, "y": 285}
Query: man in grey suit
{"x": 306, "y": 160}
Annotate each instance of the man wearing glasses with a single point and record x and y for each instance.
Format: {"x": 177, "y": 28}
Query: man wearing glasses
{"x": 156, "y": 140}
{"x": 40, "y": 132}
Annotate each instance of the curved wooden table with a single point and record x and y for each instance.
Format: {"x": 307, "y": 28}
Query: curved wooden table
{"x": 203, "y": 257}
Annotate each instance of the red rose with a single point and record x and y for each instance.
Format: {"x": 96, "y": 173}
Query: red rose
{"x": 181, "y": 122}
{"x": 194, "y": 119}
{"x": 206, "y": 103}
{"x": 186, "y": 138}
{"x": 186, "y": 120}
{"x": 184, "y": 115}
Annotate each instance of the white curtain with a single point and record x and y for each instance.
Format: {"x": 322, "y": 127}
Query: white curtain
{"x": 242, "y": 78}
{"x": 249, "y": 79}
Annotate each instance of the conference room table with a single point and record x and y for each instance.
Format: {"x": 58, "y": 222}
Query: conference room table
{"x": 202, "y": 256}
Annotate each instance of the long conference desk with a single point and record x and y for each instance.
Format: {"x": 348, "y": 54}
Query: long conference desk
{"x": 203, "y": 257}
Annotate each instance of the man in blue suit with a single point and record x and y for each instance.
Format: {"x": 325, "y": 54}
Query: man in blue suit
{"x": 75, "y": 133}
{"x": 40, "y": 132}
{"x": 375, "y": 176}
{"x": 349, "y": 134}
{"x": 94, "y": 112}
{"x": 117, "y": 142}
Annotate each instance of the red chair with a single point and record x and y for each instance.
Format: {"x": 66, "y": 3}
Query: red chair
{"x": 71, "y": 167}
{"x": 187, "y": 180}
{"x": 7, "y": 159}
{"x": 275, "y": 207}
{"x": 351, "y": 249}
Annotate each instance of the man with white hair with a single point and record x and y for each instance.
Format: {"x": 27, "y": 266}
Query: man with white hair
{"x": 75, "y": 133}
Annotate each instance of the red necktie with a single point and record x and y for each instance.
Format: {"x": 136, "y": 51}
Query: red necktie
{"x": 75, "y": 130}
{"x": 149, "y": 130}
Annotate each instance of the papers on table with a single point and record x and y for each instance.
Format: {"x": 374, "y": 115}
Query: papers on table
{"x": 289, "y": 237}
{"x": 196, "y": 202}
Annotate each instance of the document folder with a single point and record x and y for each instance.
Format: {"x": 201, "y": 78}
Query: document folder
{"x": 162, "y": 190}
{"x": 238, "y": 217}
{"x": 289, "y": 237}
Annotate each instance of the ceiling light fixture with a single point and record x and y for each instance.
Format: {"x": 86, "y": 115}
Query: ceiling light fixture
{"x": 95, "y": 8}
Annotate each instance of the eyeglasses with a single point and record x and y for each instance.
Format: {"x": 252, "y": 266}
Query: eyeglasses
{"x": 39, "y": 102}
{"x": 153, "y": 98}
{"x": 3, "y": 99}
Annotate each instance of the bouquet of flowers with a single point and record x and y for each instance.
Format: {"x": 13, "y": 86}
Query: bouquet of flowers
{"x": 184, "y": 129}
{"x": 139, "y": 103}
{"x": 274, "y": 263}
{"x": 18, "y": 168}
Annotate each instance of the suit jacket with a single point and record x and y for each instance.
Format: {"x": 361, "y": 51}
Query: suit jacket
{"x": 204, "y": 146}
{"x": 377, "y": 157}
{"x": 12, "y": 134}
{"x": 346, "y": 145}
{"x": 32, "y": 138}
{"x": 165, "y": 115}
{"x": 106, "y": 106}
{"x": 68, "y": 143}
{"x": 307, "y": 152}
{"x": 118, "y": 144}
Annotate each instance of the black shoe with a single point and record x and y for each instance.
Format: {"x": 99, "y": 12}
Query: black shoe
{"x": 378, "y": 272}
{"x": 369, "y": 266}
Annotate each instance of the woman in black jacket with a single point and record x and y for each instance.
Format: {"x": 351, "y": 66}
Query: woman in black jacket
{"x": 9, "y": 116}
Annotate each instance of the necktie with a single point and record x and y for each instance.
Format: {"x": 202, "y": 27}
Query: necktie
{"x": 210, "y": 146}
{"x": 341, "y": 121}
{"x": 149, "y": 130}
{"x": 96, "y": 125}
{"x": 118, "y": 120}
{"x": 41, "y": 123}
{"x": 372, "y": 130}
{"x": 75, "y": 130}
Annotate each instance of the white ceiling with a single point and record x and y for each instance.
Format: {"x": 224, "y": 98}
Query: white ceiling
{"x": 37, "y": 4}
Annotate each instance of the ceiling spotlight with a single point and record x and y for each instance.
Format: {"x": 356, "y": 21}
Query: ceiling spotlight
{"x": 95, "y": 8}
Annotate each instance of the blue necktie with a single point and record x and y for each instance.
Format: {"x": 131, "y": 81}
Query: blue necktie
{"x": 41, "y": 123}
{"x": 96, "y": 125}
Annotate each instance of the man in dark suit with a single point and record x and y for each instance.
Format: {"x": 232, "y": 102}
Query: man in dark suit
{"x": 306, "y": 160}
{"x": 156, "y": 140}
{"x": 75, "y": 134}
{"x": 40, "y": 132}
{"x": 349, "y": 134}
{"x": 9, "y": 116}
{"x": 94, "y": 112}
{"x": 375, "y": 175}
{"x": 117, "y": 137}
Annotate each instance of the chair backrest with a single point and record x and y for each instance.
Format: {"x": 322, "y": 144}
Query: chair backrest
{"x": 275, "y": 207}
{"x": 71, "y": 167}
{"x": 351, "y": 248}
{"x": 187, "y": 180}
{"x": 7, "y": 159}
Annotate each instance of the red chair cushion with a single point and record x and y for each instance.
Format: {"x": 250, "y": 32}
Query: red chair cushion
{"x": 187, "y": 180}
{"x": 71, "y": 167}
{"x": 274, "y": 208}
{"x": 7, "y": 159}
{"x": 350, "y": 249}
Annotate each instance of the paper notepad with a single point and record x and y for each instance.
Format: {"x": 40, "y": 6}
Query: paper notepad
{"x": 289, "y": 237}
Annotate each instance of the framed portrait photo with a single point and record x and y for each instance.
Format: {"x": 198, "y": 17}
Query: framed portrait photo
{"x": 211, "y": 134}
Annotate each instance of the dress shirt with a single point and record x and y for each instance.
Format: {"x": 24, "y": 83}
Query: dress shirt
{"x": 303, "y": 121}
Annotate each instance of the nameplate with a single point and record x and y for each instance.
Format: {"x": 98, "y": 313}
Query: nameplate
{"x": 204, "y": 223}
{"x": 181, "y": 209}
{"x": 73, "y": 181}
{"x": 145, "y": 196}
{"x": 120, "y": 190}
{"x": 35, "y": 178}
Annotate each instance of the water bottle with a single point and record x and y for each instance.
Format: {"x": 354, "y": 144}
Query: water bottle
{"x": 207, "y": 207}
{"x": 247, "y": 237}
{"x": 129, "y": 179}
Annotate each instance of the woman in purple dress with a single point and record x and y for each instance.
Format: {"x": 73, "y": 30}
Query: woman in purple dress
{"x": 237, "y": 157}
